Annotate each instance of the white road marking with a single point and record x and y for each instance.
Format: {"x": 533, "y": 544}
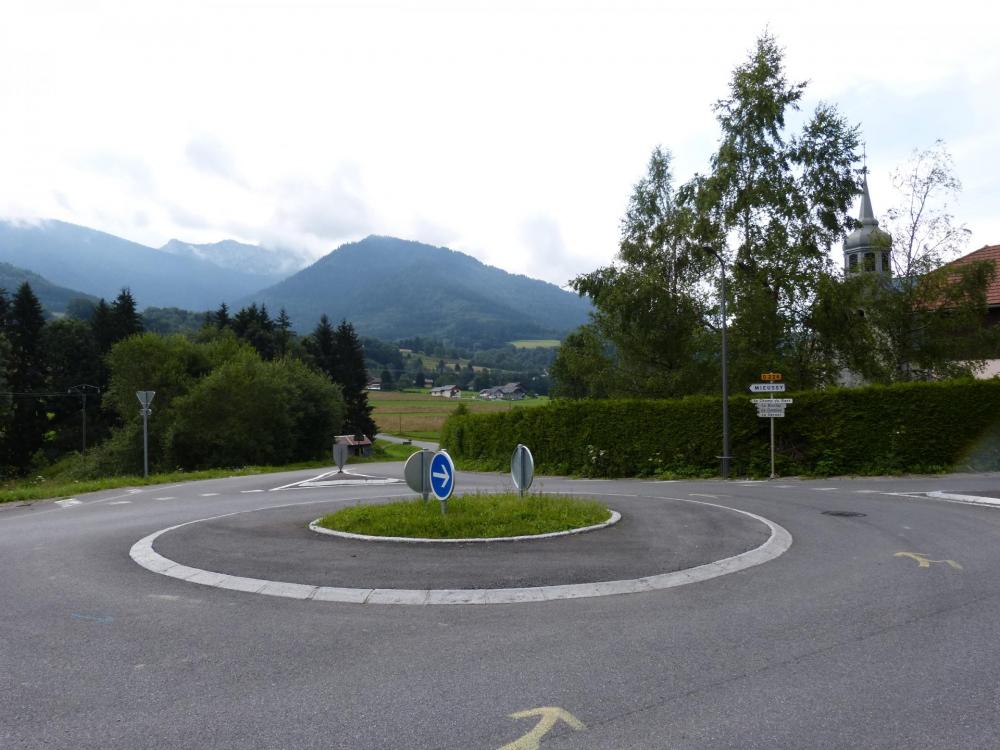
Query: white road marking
{"x": 970, "y": 499}
{"x": 866, "y": 492}
{"x": 249, "y": 492}
{"x": 170, "y": 497}
{"x": 121, "y": 502}
{"x": 209, "y": 494}
{"x": 68, "y": 502}
{"x": 143, "y": 554}
{"x": 824, "y": 489}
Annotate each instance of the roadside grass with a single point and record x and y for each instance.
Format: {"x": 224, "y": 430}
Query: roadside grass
{"x": 482, "y": 515}
{"x": 59, "y": 485}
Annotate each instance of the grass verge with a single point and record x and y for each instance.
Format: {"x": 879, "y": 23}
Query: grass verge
{"x": 481, "y": 515}
{"x": 43, "y": 488}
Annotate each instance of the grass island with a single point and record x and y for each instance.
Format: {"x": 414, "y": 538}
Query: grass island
{"x": 472, "y": 516}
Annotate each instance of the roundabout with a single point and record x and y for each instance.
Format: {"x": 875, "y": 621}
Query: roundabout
{"x": 884, "y": 607}
{"x": 655, "y": 543}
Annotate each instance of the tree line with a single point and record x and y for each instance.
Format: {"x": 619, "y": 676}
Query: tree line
{"x": 244, "y": 388}
{"x": 769, "y": 210}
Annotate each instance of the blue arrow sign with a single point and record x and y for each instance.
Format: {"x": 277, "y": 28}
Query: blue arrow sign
{"x": 442, "y": 475}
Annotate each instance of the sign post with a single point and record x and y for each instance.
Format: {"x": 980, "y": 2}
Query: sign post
{"x": 771, "y": 407}
{"x": 522, "y": 468}
{"x": 145, "y": 398}
{"x": 442, "y": 478}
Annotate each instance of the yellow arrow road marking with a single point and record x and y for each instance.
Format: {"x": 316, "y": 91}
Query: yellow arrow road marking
{"x": 924, "y": 562}
{"x": 551, "y": 715}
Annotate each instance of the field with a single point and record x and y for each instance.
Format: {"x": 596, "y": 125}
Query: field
{"x": 535, "y": 343}
{"x": 420, "y": 415}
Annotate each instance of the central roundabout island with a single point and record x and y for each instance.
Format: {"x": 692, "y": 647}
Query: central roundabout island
{"x": 479, "y": 517}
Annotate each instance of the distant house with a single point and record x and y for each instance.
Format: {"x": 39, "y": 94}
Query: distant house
{"x": 512, "y": 392}
{"x": 357, "y": 445}
{"x": 508, "y": 392}
{"x": 447, "y": 391}
{"x": 374, "y": 385}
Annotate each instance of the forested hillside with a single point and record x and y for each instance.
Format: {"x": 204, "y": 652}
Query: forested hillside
{"x": 396, "y": 288}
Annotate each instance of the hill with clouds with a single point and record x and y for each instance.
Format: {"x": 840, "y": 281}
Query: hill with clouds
{"x": 101, "y": 264}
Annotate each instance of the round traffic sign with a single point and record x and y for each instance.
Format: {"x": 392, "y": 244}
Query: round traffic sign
{"x": 442, "y": 475}
{"x": 522, "y": 467}
{"x": 417, "y": 471}
{"x": 340, "y": 455}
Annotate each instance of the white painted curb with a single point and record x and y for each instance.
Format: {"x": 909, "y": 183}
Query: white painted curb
{"x": 142, "y": 553}
{"x": 615, "y": 518}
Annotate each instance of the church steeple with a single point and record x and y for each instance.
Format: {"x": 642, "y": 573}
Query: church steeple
{"x": 867, "y": 248}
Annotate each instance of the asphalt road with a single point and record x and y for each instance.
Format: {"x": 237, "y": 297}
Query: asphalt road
{"x": 872, "y": 631}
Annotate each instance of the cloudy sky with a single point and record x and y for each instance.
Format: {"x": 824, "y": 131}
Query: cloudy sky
{"x": 510, "y": 130}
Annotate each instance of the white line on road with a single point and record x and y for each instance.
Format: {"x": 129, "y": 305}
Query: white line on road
{"x": 169, "y": 497}
{"x": 249, "y": 492}
{"x": 143, "y": 554}
{"x": 121, "y": 502}
{"x": 68, "y": 502}
{"x": 209, "y": 494}
{"x": 824, "y": 489}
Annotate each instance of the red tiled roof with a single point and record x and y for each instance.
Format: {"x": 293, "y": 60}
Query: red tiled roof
{"x": 992, "y": 254}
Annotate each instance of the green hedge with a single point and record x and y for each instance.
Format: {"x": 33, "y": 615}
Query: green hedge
{"x": 911, "y": 427}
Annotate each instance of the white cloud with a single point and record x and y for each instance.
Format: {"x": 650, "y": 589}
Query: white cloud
{"x": 494, "y": 128}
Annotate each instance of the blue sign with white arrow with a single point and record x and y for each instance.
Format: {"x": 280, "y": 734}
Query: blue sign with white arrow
{"x": 442, "y": 475}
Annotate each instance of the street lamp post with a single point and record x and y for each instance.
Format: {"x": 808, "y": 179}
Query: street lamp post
{"x": 726, "y": 458}
{"x": 82, "y": 390}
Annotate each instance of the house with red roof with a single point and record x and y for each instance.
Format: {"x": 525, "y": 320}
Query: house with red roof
{"x": 991, "y": 254}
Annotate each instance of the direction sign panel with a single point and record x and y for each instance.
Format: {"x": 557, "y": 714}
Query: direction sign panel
{"x": 522, "y": 468}
{"x": 442, "y": 475}
{"x": 782, "y": 401}
{"x": 767, "y": 387}
{"x": 768, "y": 414}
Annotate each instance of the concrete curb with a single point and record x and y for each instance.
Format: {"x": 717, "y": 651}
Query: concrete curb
{"x": 143, "y": 554}
{"x": 615, "y": 518}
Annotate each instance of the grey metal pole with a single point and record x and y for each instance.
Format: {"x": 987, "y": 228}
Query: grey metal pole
{"x": 725, "y": 377}
{"x": 145, "y": 443}
{"x": 83, "y": 415}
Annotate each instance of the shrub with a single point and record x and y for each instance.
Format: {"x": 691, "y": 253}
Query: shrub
{"x": 911, "y": 427}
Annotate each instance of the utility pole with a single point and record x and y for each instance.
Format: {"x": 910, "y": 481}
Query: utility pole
{"x": 82, "y": 390}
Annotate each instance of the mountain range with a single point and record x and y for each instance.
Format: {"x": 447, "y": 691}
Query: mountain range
{"x": 101, "y": 264}
{"x": 387, "y": 287}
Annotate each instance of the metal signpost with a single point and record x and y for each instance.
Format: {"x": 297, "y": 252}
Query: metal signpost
{"x": 417, "y": 472}
{"x": 442, "y": 478}
{"x": 145, "y": 398}
{"x": 340, "y": 449}
{"x": 522, "y": 468}
{"x": 770, "y": 408}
